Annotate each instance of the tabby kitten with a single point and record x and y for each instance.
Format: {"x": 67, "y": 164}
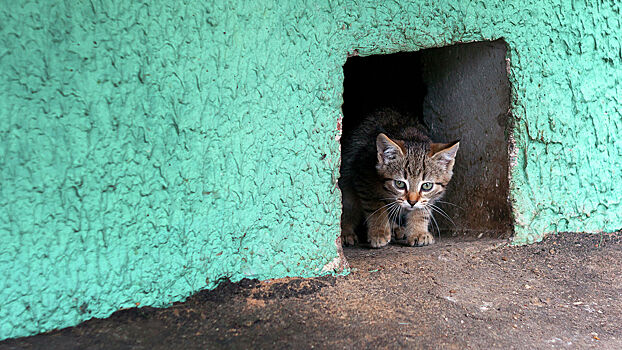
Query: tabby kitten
{"x": 391, "y": 175}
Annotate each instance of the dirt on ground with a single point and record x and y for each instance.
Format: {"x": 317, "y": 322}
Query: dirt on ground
{"x": 564, "y": 292}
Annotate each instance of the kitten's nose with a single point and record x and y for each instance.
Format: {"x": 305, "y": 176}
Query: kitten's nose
{"x": 412, "y": 198}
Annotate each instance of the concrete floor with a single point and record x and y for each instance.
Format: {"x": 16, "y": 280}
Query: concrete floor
{"x": 562, "y": 293}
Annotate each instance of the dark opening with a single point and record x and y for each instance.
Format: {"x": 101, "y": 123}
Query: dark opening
{"x": 459, "y": 92}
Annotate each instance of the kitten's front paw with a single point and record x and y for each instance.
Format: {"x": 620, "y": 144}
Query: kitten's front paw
{"x": 379, "y": 242}
{"x": 421, "y": 239}
{"x": 348, "y": 239}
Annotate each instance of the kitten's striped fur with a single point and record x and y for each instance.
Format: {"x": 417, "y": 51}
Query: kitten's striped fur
{"x": 391, "y": 175}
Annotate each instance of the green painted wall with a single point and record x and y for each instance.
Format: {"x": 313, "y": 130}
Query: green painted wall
{"x": 150, "y": 150}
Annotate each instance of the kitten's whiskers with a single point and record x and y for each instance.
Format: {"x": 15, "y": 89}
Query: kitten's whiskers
{"x": 395, "y": 211}
{"x": 455, "y": 205}
{"x": 387, "y": 215}
{"x": 375, "y": 211}
{"x": 435, "y": 223}
{"x": 442, "y": 212}
{"x": 392, "y": 210}
{"x": 399, "y": 220}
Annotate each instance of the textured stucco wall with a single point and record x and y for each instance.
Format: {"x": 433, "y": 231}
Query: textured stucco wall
{"x": 150, "y": 149}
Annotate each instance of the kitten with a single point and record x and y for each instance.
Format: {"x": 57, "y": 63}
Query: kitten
{"x": 391, "y": 175}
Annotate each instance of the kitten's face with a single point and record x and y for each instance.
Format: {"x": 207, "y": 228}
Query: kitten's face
{"x": 414, "y": 174}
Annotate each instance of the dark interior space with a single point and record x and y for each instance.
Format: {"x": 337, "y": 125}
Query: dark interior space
{"x": 457, "y": 92}
{"x": 382, "y": 81}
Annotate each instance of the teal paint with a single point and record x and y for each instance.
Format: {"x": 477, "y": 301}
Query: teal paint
{"x": 150, "y": 150}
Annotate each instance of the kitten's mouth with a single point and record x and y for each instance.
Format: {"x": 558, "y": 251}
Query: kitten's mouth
{"x": 407, "y": 206}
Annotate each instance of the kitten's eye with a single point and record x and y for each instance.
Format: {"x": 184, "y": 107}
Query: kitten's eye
{"x": 400, "y": 184}
{"x": 426, "y": 186}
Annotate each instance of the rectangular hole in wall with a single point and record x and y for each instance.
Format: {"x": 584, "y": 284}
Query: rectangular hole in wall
{"x": 458, "y": 92}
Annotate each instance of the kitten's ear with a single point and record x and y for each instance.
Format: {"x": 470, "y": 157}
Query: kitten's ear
{"x": 387, "y": 149}
{"x": 444, "y": 153}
